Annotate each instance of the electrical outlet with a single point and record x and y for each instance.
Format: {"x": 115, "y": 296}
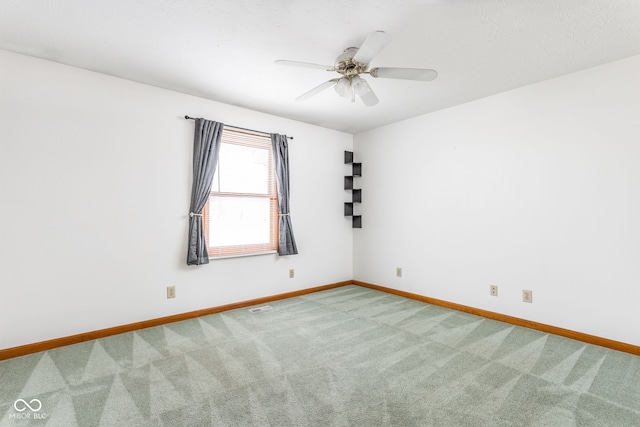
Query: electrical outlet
{"x": 398, "y": 271}
{"x": 493, "y": 290}
{"x": 291, "y": 274}
{"x": 527, "y": 296}
{"x": 171, "y": 292}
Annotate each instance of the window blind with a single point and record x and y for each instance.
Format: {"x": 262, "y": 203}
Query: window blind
{"x": 241, "y": 215}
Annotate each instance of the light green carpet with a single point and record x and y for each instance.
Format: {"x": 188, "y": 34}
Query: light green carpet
{"x": 344, "y": 357}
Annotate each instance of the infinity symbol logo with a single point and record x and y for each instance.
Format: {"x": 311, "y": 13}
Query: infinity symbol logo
{"x": 26, "y": 405}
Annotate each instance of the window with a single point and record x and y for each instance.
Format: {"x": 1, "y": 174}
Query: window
{"x": 241, "y": 216}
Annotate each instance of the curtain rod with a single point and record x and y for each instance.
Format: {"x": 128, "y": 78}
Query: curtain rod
{"x": 238, "y": 127}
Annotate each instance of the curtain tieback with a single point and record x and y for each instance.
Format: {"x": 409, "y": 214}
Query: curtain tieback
{"x": 191, "y": 214}
{"x": 283, "y": 214}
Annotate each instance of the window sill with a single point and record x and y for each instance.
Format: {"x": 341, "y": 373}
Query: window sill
{"x": 242, "y": 255}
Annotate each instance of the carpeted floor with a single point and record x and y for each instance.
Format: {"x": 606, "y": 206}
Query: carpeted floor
{"x": 345, "y": 357}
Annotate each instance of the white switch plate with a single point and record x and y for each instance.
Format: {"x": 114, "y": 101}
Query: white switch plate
{"x": 171, "y": 292}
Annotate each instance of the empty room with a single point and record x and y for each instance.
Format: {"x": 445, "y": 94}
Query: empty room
{"x": 327, "y": 213}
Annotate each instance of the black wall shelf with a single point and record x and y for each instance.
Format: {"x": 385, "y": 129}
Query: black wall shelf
{"x": 356, "y": 193}
{"x": 348, "y": 157}
{"x": 356, "y": 196}
{"x": 348, "y": 209}
{"x": 348, "y": 183}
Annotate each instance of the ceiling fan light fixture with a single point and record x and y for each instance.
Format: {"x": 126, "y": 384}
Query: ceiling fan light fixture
{"x": 358, "y": 86}
{"x": 343, "y": 87}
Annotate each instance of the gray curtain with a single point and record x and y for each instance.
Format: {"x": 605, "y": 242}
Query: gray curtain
{"x": 286, "y": 241}
{"x": 206, "y": 146}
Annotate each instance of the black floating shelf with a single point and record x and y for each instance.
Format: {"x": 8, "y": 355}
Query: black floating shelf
{"x": 348, "y": 157}
{"x": 348, "y": 183}
{"x": 356, "y": 196}
{"x": 357, "y": 169}
{"x": 356, "y": 221}
{"x": 348, "y": 209}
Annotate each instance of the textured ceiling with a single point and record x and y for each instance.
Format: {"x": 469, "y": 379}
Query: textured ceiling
{"x": 224, "y": 49}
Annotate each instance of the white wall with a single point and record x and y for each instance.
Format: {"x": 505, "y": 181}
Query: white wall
{"x": 95, "y": 176}
{"x": 537, "y": 188}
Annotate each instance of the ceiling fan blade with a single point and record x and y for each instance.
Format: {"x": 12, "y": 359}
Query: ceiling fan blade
{"x": 423, "y": 74}
{"x": 304, "y": 64}
{"x": 367, "y": 95}
{"x": 371, "y": 47}
{"x": 316, "y": 90}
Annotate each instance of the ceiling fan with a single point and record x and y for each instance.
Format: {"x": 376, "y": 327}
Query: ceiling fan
{"x": 355, "y": 61}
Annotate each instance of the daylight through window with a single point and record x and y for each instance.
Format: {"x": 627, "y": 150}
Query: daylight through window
{"x": 241, "y": 216}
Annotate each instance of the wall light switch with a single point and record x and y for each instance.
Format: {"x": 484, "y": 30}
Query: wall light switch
{"x": 171, "y": 292}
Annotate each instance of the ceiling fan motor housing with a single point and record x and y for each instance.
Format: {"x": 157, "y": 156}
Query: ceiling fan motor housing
{"x": 346, "y": 66}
